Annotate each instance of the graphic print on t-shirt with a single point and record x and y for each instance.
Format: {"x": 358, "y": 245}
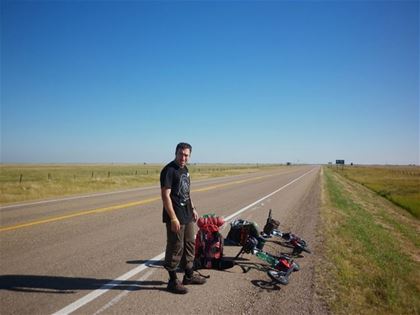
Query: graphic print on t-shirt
{"x": 184, "y": 189}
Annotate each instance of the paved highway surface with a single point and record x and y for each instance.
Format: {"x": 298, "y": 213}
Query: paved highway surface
{"x": 101, "y": 254}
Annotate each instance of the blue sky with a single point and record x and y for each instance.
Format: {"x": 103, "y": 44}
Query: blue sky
{"x": 257, "y": 82}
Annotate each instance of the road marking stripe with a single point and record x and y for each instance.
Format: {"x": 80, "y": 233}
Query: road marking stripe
{"x": 103, "y": 289}
{"x": 117, "y": 207}
{"x": 78, "y": 214}
{"x": 75, "y": 197}
{"x": 227, "y": 219}
{"x": 120, "y": 296}
{"x": 32, "y": 203}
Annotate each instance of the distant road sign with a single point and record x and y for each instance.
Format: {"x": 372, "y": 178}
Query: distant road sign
{"x": 339, "y": 162}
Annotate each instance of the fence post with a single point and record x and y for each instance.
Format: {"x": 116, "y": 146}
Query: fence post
{"x": 20, "y": 178}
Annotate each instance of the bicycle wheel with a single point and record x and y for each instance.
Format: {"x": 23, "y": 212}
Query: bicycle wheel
{"x": 278, "y": 276}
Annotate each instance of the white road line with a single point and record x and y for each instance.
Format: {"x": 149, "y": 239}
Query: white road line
{"x": 103, "y": 289}
{"x": 120, "y": 296}
{"x": 227, "y": 219}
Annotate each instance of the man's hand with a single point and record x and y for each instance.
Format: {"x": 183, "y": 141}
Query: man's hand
{"x": 175, "y": 225}
{"x": 195, "y": 215}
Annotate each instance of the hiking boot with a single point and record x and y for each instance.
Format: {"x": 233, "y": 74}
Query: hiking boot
{"x": 175, "y": 286}
{"x": 194, "y": 279}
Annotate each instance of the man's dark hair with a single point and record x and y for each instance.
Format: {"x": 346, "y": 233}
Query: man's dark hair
{"x": 183, "y": 146}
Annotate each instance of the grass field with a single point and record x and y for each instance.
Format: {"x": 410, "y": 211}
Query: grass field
{"x": 33, "y": 182}
{"x": 399, "y": 184}
{"x": 371, "y": 256}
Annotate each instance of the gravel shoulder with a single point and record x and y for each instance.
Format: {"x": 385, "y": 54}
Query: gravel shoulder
{"x": 300, "y": 296}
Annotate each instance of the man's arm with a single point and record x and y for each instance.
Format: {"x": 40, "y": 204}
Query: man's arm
{"x": 167, "y": 204}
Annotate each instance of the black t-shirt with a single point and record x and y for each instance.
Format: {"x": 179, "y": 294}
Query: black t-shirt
{"x": 178, "y": 180}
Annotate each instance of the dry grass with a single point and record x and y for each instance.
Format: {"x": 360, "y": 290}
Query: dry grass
{"x": 33, "y": 182}
{"x": 399, "y": 184}
{"x": 371, "y": 258}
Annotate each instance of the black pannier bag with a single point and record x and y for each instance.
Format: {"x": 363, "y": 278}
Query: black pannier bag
{"x": 270, "y": 225}
{"x": 240, "y": 230}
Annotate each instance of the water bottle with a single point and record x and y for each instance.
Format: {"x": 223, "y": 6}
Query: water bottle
{"x": 266, "y": 257}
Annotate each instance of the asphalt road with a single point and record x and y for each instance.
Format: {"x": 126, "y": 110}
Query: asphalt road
{"x": 101, "y": 254}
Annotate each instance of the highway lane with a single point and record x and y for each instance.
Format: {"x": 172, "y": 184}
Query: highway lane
{"x": 50, "y": 265}
{"x": 13, "y": 216}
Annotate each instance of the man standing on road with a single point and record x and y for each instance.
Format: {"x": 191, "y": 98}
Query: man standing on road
{"x": 179, "y": 214}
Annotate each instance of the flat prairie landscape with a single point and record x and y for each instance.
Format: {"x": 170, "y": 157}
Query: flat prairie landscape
{"x": 27, "y": 182}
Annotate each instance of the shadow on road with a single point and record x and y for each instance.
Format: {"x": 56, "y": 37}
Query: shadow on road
{"x": 266, "y": 285}
{"x": 148, "y": 263}
{"x": 262, "y": 284}
{"x": 66, "y": 285}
